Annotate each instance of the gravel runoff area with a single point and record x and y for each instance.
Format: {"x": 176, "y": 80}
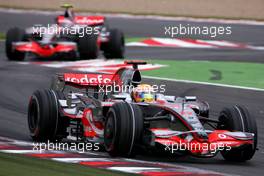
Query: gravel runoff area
{"x": 233, "y": 9}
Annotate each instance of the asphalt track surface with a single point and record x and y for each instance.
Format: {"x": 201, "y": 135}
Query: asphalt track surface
{"x": 17, "y": 82}
{"x": 249, "y": 34}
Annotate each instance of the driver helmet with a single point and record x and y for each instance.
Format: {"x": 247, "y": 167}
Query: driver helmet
{"x": 68, "y": 12}
{"x": 67, "y": 23}
{"x": 143, "y": 93}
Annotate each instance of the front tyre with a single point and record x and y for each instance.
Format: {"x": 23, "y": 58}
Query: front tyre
{"x": 237, "y": 118}
{"x": 123, "y": 129}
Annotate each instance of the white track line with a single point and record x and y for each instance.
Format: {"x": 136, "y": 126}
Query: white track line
{"x": 21, "y": 151}
{"x": 180, "y": 43}
{"x": 137, "y": 170}
{"x": 204, "y": 83}
{"x": 77, "y": 160}
{"x": 185, "y": 168}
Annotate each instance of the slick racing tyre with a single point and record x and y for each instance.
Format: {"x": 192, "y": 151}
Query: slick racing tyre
{"x": 237, "y": 118}
{"x": 115, "y": 47}
{"x": 14, "y": 35}
{"x": 44, "y": 120}
{"x": 87, "y": 46}
{"x": 123, "y": 129}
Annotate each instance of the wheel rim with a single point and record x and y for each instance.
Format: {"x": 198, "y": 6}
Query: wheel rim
{"x": 109, "y": 133}
{"x": 223, "y": 125}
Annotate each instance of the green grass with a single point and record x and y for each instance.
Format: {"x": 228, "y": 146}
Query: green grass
{"x": 2, "y": 36}
{"x": 232, "y": 73}
{"x": 134, "y": 39}
{"x": 13, "y": 164}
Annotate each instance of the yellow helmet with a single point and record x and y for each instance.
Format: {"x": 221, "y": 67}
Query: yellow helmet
{"x": 143, "y": 93}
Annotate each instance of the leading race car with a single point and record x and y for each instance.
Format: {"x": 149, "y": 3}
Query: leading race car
{"x": 90, "y": 108}
{"x": 72, "y": 36}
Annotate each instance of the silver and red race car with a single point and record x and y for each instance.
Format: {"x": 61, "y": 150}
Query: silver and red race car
{"x": 84, "y": 106}
{"x": 71, "y": 37}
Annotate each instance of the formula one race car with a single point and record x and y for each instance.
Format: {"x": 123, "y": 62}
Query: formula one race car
{"x": 90, "y": 108}
{"x": 72, "y": 36}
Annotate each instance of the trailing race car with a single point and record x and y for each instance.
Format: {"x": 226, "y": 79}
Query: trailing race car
{"x": 72, "y": 36}
{"x": 86, "y": 107}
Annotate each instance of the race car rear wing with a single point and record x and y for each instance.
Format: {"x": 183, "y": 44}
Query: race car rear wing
{"x": 83, "y": 80}
{"x": 90, "y": 79}
{"x": 83, "y": 20}
{"x": 135, "y": 63}
{"x": 99, "y": 79}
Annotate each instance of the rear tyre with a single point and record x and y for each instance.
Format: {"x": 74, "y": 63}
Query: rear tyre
{"x": 123, "y": 129}
{"x": 115, "y": 47}
{"x": 87, "y": 46}
{"x": 237, "y": 118}
{"x": 44, "y": 120}
{"x": 14, "y": 35}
